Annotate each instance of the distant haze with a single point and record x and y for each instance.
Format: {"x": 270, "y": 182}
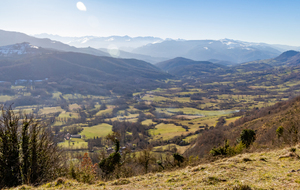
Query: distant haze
{"x": 151, "y": 49}
{"x": 157, "y": 49}
{"x": 268, "y": 21}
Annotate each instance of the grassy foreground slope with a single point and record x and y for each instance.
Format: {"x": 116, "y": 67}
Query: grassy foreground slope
{"x": 277, "y": 169}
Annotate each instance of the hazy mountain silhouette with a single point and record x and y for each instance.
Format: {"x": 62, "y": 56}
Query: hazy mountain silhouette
{"x": 8, "y": 38}
{"x": 21, "y": 50}
{"x": 202, "y": 50}
{"x": 285, "y": 56}
{"x": 128, "y": 55}
{"x": 75, "y": 72}
{"x": 185, "y": 67}
{"x": 286, "y": 59}
{"x": 125, "y": 43}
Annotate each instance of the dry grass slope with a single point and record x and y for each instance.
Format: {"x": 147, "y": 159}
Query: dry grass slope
{"x": 278, "y": 169}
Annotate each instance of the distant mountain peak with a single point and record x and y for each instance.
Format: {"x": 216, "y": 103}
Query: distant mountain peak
{"x": 289, "y": 53}
{"x": 228, "y": 50}
{"x": 286, "y": 55}
{"x": 182, "y": 58}
{"x": 18, "y": 49}
{"x": 125, "y": 43}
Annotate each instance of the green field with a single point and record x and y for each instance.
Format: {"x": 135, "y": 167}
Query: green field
{"x": 56, "y": 95}
{"x": 148, "y": 122}
{"x": 194, "y": 111}
{"x": 48, "y": 110}
{"x": 155, "y": 98}
{"x": 4, "y": 98}
{"x": 17, "y": 87}
{"x": 74, "y": 143}
{"x": 107, "y": 111}
{"x": 65, "y": 114}
{"x": 190, "y": 138}
{"x": 232, "y": 120}
{"x": 57, "y": 123}
{"x": 166, "y": 131}
{"x": 100, "y": 130}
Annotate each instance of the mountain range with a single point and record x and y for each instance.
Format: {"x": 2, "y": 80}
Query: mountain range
{"x": 152, "y": 49}
{"x": 178, "y": 66}
{"x": 9, "y": 38}
{"x": 76, "y": 72}
{"x": 21, "y": 50}
{"x": 124, "y": 43}
{"x": 183, "y": 67}
{"x": 203, "y": 50}
{"x": 34, "y": 63}
{"x": 24, "y": 57}
{"x": 286, "y": 59}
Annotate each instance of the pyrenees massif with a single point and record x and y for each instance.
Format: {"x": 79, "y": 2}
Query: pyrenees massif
{"x": 146, "y": 112}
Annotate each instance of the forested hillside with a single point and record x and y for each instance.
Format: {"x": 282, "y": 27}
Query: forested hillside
{"x": 275, "y": 126}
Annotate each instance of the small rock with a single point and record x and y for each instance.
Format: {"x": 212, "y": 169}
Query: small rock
{"x": 247, "y": 159}
{"x": 197, "y": 169}
{"x": 289, "y": 155}
{"x": 292, "y": 171}
{"x": 121, "y": 182}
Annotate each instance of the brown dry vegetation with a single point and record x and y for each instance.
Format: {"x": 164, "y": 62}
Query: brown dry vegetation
{"x": 261, "y": 170}
{"x": 264, "y": 121}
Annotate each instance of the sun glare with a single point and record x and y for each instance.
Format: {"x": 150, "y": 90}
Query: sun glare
{"x": 113, "y": 51}
{"x": 81, "y": 6}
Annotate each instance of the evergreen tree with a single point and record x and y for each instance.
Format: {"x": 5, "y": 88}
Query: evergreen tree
{"x": 27, "y": 152}
{"x": 247, "y": 137}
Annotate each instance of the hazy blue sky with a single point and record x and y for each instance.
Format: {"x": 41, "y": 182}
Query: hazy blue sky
{"x": 269, "y": 21}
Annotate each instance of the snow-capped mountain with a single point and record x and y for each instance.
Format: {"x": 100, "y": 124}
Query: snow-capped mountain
{"x": 125, "y": 43}
{"x": 224, "y": 50}
{"x": 18, "y": 49}
{"x": 250, "y": 46}
{"x": 8, "y": 38}
{"x": 203, "y": 50}
{"x": 231, "y": 44}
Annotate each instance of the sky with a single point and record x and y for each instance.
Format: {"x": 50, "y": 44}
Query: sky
{"x": 269, "y": 21}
